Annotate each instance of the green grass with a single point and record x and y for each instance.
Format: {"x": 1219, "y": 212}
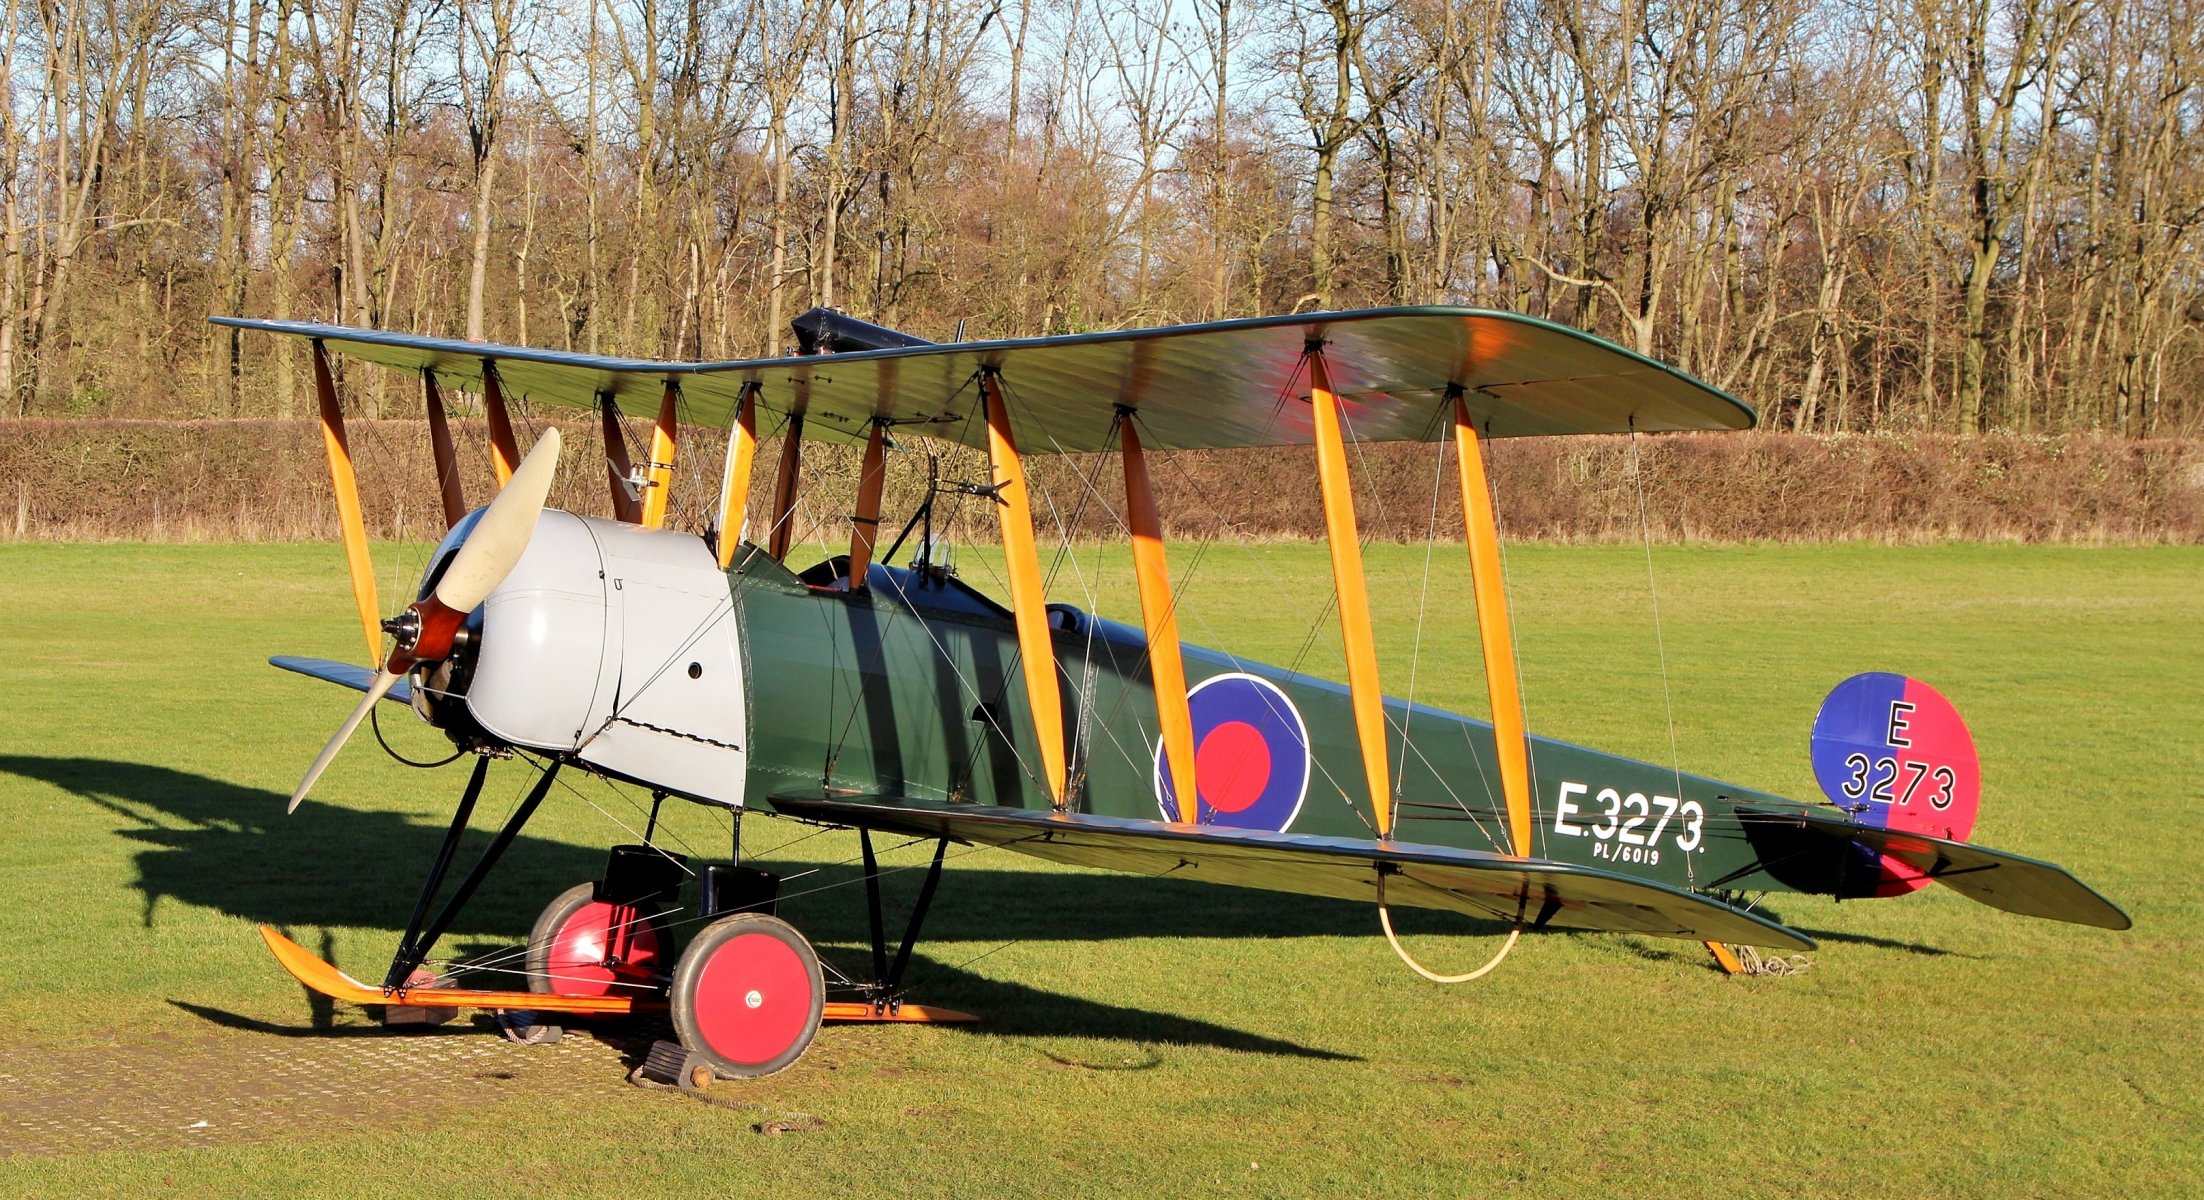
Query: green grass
{"x": 1153, "y": 1038}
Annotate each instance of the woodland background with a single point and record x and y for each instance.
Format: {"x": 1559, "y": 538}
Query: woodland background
{"x": 1942, "y": 216}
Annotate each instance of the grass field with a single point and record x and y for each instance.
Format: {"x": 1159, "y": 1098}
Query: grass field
{"x": 1141, "y": 1037}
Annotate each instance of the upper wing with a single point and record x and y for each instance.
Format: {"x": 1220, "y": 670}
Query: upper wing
{"x": 2027, "y": 886}
{"x": 1214, "y": 385}
{"x": 1482, "y": 885}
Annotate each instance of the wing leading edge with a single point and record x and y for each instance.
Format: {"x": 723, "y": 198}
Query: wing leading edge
{"x": 1207, "y": 386}
{"x": 1491, "y": 886}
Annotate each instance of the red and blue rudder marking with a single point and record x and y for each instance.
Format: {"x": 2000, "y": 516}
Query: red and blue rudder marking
{"x": 1251, "y": 755}
{"x": 1892, "y": 752}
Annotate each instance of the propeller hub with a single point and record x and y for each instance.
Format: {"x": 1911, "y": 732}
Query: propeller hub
{"x": 404, "y": 629}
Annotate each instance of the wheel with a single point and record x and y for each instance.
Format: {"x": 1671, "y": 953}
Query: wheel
{"x": 568, "y": 948}
{"x": 747, "y": 995}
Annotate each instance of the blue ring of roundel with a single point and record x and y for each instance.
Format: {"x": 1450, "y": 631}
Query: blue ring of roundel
{"x": 1263, "y": 706}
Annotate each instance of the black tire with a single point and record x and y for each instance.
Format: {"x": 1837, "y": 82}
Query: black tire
{"x": 748, "y": 995}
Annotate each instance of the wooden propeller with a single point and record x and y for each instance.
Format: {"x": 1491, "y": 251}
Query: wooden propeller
{"x": 424, "y": 632}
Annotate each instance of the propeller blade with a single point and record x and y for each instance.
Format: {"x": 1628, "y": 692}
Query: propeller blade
{"x": 495, "y": 545}
{"x": 384, "y": 681}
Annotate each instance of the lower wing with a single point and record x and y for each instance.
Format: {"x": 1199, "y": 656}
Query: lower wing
{"x": 1542, "y": 893}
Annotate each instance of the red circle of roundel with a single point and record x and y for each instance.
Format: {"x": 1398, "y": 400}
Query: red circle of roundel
{"x": 1251, "y": 755}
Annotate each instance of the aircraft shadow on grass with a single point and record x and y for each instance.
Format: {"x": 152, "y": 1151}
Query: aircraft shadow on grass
{"x": 227, "y": 847}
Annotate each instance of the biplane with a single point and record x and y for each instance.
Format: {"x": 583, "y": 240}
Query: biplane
{"x": 897, "y": 698}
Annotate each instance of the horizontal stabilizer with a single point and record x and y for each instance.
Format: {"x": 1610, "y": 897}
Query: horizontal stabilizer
{"x": 1492, "y": 886}
{"x": 2026, "y": 886}
{"x": 355, "y": 677}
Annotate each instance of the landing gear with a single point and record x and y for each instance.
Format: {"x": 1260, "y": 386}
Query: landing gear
{"x": 584, "y": 946}
{"x": 748, "y": 995}
{"x": 746, "y": 998}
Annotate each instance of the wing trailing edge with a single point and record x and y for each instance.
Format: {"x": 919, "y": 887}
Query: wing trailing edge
{"x": 1491, "y": 886}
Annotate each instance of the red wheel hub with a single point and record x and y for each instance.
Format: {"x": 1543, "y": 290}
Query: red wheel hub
{"x": 753, "y": 998}
{"x": 579, "y": 950}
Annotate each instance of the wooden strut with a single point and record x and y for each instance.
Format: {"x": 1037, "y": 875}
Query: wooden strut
{"x": 784, "y": 488}
{"x": 1352, "y": 590}
{"x": 1482, "y": 526}
{"x": 864, "y": 524}
{"x": 619, "y": 468}
{"x": 1159, "y": 616}
{"x": 734, "y": 486}
{"x": 659, "y": 471}
{"x": 440, "y": 446}
{"x": 350, "y": 524}
{"x": 1028, "y": 600}
{"x": 320, "y": 977}
{"x": 504, "y": 451}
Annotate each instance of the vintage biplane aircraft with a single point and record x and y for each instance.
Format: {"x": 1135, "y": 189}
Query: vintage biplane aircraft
{"x": 898, "y": 698}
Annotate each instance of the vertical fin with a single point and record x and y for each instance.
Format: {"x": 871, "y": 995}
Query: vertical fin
{"x": 1028, "y": 603}
{"x": 663, "y": 437}
{"x": 346, "y": 485}
{"x": 1510, "y": 739}
{"x": 1352, "y": 590}
{"x": 734, "y": 489}
{"x": 1158, "y": 613}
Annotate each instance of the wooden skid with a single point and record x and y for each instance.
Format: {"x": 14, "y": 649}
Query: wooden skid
{"x": 319, "y": 976}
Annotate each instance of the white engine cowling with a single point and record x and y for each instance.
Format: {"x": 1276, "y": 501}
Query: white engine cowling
{"x": 620, "y": 645}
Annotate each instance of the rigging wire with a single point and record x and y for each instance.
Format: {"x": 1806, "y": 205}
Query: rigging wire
{"x": 1660, "y": 645}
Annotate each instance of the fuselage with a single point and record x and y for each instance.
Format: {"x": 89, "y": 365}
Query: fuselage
{"x": 910, "y": 686}
{"x": 631, "y": 652}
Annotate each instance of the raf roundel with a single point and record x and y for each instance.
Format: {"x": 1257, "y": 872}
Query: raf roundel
{"x": 1251, "y": 755}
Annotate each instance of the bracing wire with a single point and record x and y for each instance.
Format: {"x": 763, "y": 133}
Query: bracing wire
{"x": 1660, "y": 646}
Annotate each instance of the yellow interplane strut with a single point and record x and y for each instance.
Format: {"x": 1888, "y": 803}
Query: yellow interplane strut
{"x": 1166, "y": 670}
{"x": 504, "y": 451}
{"x": 1028, "y": 604}
{"x": 1483, "y": 529}
{"x": 662, "y": 438}
{"x": 872, "y": 478}
{"x": 784, "y": 488}
{"x": 734, "y": 488}
{"x": 1352, "y": 590}
{"x": 619, "y": 469}
{"x": 346, "y": 485}
{"x": 440, "y": 446}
